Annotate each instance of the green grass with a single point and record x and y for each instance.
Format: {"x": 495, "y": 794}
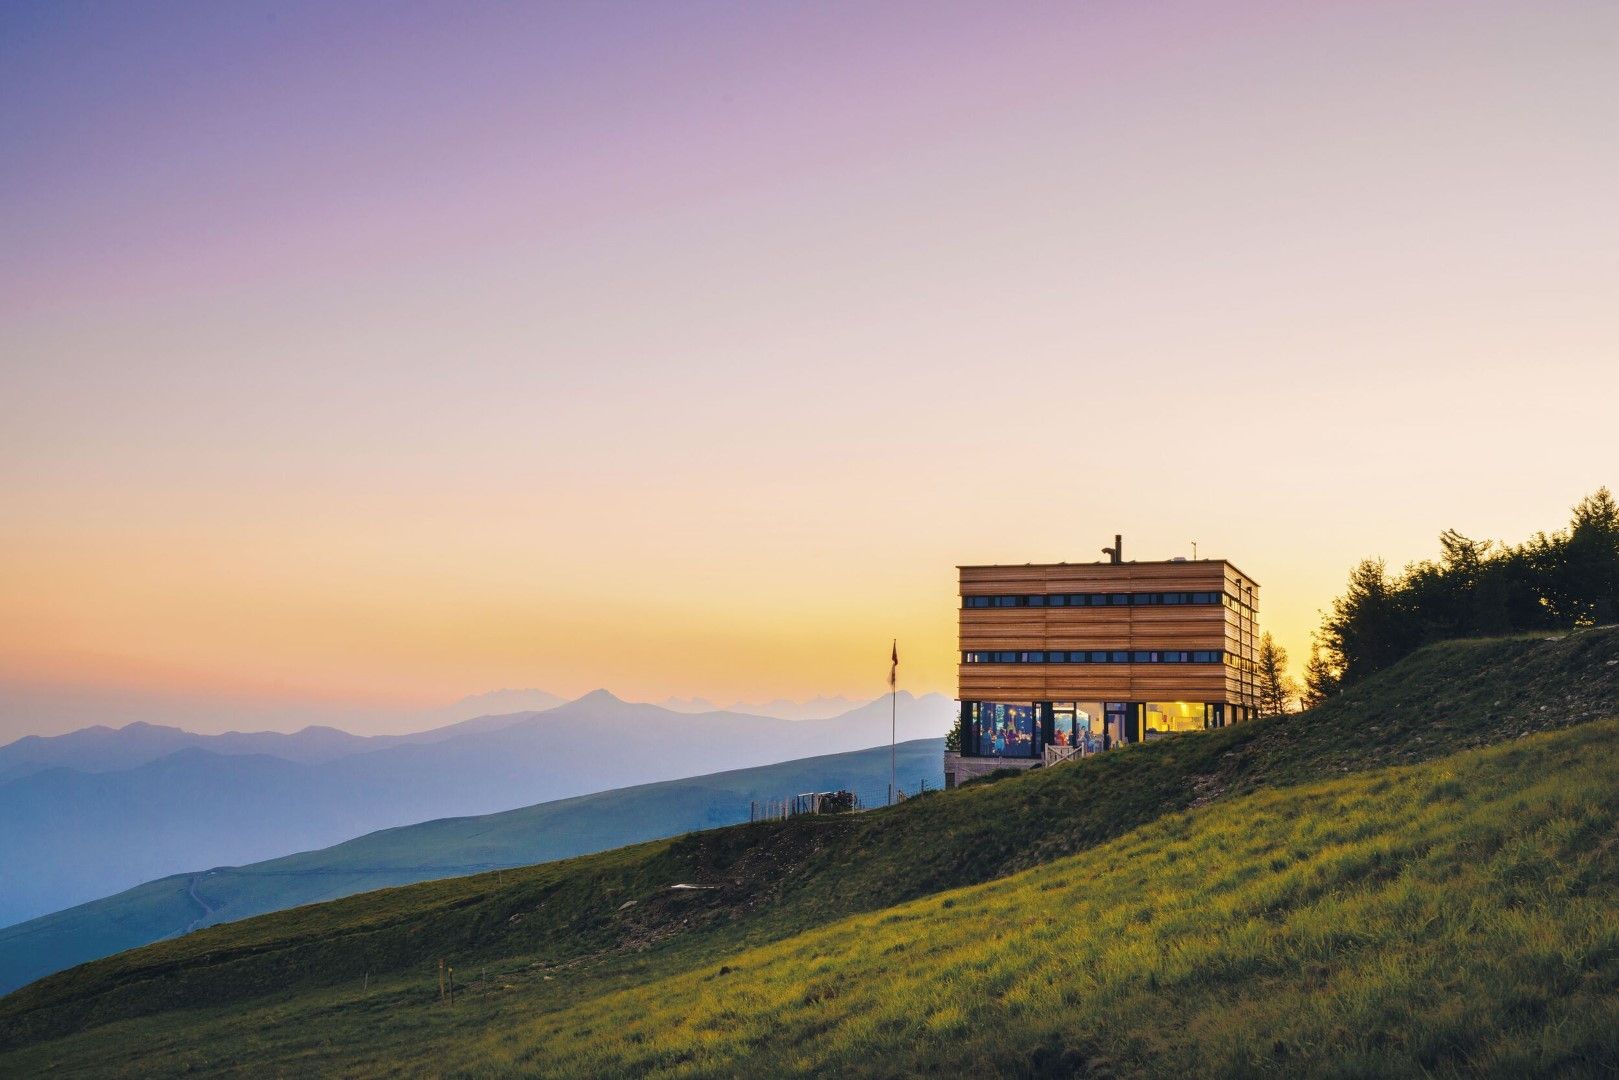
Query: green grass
{"x": 1267, "y": 899}
{"x": 1458, "y": 917}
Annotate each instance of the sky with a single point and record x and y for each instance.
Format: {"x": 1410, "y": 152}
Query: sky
{"x": 358, "y": 357}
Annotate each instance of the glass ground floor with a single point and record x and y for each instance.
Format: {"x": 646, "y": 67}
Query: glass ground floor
{"x": 1023, "y": 729}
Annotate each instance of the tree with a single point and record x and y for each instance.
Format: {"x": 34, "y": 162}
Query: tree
{"x": 1275, "y": 688}
{"x": 1369, "y": 627}
{"x": 1553, "y": 581}
{"x": 1321, "y": 678}
{"x": 1591, "y": 560}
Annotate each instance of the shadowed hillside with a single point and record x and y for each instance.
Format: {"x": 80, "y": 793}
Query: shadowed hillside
{"x": 603, "y": 923}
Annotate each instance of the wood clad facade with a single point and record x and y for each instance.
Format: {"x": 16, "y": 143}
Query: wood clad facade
{"x": 1124, "y": 613}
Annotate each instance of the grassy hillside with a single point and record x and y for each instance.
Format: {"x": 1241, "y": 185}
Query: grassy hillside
{"x": 1230, "y": 906}
{"x": 437, "y": 849}
{"x": 1453, "y": 917}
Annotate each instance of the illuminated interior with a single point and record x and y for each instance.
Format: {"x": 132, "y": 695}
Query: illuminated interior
{"x": 1005, "y": 730}
{"x": 1165, "y": 717}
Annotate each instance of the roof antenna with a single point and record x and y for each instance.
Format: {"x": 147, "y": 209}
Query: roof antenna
{"x": 1115, "y": 553}
{"x": 1194, "y": 551}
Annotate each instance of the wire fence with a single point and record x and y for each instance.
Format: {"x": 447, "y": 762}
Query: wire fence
{"x": 832, "y": 802}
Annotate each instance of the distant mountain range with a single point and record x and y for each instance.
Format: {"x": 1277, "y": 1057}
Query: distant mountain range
{"x": 98, "y": 811}
{"x": 46, "y": 709}
{"x": 104, "y": 749}
{"x": 816, "y": 708}
{"x": 444, "y": 848}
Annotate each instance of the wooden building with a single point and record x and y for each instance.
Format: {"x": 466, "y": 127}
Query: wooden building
{"x": 1065, "y": 659}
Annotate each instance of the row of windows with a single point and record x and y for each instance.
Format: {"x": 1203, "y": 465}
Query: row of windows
{"x": 1140, "y": 599}
{"x": 1101, "y": 656}
{"x": 1000, "y": 729}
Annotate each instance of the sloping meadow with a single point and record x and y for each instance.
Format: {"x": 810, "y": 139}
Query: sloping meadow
{"x": 1142, "y": 950}
{"x": 1460, "y": 917}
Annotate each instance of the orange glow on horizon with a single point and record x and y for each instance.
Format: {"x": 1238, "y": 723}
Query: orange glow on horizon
{"x": 675, "y": 355}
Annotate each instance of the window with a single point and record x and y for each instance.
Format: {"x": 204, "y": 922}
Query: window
{"x": 1102, "y": 600}
{"x": 1005, "y": 730}
{"x": 1080, "y": 722}
{"x": 1169, "y": 717}
{"x": 1062, "y": 725}
{"x": 1099, "y": 656}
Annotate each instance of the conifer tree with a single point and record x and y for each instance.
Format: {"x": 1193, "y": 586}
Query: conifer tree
{"x": 1275, "y": 688}
{"x": 1321, "y": 679}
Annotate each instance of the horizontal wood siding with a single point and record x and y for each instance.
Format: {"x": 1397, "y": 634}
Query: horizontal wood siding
{"x": 1100, "y": 682}
{"x": 1128, "y": 627}
{"x": 1188, "y": 627}
{"x": 1198, "y": 576}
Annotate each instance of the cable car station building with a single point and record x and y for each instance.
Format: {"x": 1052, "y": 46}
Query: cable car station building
{"x": 1066, "y": 659}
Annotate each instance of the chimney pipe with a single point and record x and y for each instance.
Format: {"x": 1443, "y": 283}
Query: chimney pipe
{"x": 1115, "y": 553}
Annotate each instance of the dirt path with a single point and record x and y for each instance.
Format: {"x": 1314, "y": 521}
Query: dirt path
{"x": 196, "y": 898}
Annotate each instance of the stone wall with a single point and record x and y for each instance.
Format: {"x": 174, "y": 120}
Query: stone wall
{"x": 958, "y": 770}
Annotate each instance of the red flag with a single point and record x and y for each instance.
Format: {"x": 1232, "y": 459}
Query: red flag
{"x": 893, "y": 671}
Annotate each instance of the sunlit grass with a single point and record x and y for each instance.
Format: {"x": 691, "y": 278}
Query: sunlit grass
{"x": 1457, "y": 918}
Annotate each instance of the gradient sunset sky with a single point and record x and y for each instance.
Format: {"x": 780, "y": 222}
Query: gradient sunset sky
{"x": 356, "y": 357}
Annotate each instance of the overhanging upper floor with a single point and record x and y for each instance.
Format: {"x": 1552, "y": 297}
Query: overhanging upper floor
{"x": 1176, "y": 629}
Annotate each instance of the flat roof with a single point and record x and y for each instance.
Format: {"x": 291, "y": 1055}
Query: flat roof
{"x": 1104, "y": 562}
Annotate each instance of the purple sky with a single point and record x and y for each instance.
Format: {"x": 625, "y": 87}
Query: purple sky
{"x": 363, "y": 356}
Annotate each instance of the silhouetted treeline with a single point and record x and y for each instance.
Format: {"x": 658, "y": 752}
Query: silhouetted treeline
{"x": 1475, "y": 588}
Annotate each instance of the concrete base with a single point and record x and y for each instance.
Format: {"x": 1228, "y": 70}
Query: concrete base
{"x": 958, "y": 770}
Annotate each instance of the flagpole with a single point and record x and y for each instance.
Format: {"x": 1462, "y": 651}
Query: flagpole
{"x": 893, "y": 727}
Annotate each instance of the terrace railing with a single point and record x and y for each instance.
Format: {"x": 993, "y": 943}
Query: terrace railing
{"x": 1056, "y": 755}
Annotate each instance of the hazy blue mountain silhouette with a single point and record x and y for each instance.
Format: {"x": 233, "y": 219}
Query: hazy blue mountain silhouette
{"x": 104, "y": 749}
{"x": 816, "y": 708}
{"x": 68, "y": 836}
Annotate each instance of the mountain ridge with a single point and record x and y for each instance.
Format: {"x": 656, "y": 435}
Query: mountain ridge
{"x": 169, "y": 814}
